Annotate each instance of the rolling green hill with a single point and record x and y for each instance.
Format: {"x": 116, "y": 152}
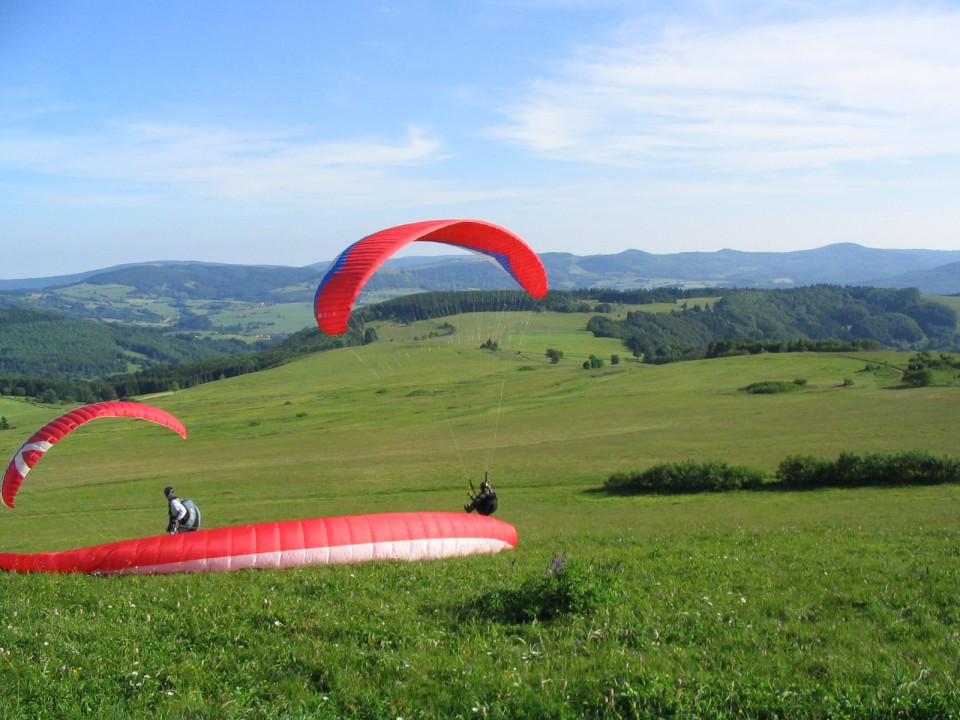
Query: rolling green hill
{"x": 827, "y": 604}
{"x": 657, "y": 325}
{"x": 45, "y": 344}
{"x": 357, "y": 428}
{"x": 900, "y": 319}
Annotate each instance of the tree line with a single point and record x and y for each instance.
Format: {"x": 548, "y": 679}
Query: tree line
{"x": 820, "y": 317}
{"x": 46, "y": 344}
{"x": 177, "y": 376}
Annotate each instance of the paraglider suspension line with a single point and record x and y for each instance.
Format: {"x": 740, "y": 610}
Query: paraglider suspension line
{"x": 363, "y": 362}
{"x": 453, "y": 436}
{"x": 496, "y": 428}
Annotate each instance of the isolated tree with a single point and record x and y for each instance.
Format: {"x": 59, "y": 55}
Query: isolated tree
{"x": 4, "y": 423}
{"x": 918, "y": 378}
{"x": 554, "y": 355}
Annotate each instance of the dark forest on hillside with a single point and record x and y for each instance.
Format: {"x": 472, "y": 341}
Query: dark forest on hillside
{"x": 82, "y": 360}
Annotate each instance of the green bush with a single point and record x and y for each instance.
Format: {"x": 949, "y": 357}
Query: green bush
{"x": 800, "y": 472}
{"x": 918, "y": 378}
{"x": 687, "y": 476}
{"x": 554, "y": 355}
{"x": 871, "y": 469}
{"x": 772, "y": 387}
{"x": 797, "y": 472}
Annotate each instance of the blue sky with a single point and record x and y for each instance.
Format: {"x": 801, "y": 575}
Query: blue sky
{"x": 278, "y": 132}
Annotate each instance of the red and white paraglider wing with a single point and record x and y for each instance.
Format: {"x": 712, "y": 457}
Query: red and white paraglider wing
{"x": 292, "y": 543}
{"x": 350, "y": 271}
{"x": 46, "y": 437}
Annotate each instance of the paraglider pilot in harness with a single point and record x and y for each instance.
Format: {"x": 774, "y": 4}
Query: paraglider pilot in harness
{"x": 184, "y": 514}
{"x": 485, "y": 503}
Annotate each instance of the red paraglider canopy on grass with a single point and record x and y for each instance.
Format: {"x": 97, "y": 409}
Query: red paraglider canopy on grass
{"x": 291, "y": 543}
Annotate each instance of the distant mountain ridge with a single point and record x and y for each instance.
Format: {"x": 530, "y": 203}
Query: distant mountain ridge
{"x": 931, "y": 271}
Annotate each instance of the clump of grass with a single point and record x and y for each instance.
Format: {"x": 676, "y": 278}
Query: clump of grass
{"x": 565, "y": 588}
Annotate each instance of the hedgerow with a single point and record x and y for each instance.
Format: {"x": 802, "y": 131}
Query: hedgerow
{"x": 797, "y": 472}
{"x": 686, "y": 476}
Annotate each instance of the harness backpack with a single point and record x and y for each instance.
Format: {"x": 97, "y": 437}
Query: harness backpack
{"x": 487, "y": 505}
{"x": 192, "y": 520}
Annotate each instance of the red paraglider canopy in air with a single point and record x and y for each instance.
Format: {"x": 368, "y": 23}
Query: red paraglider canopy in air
{"x": 350, "y": 271}
{"x": 46, "y": 437}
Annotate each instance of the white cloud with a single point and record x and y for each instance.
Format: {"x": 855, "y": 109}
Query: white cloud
{"x": 778, "y": 97}
{"x": 177, "y": 161}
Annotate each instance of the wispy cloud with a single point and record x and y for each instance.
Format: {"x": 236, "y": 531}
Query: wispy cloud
{"x": 794, "y": 96}
{"x": 176, "y": 160}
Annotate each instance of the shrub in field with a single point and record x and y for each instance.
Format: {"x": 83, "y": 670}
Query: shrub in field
{"x": 772, "y": 387}
{"x": 565, "y": 588}
{"x": 918, "y": 378}
{"x": 687, "y": 476}
{"x": 800, "y": 472}
{"x": 871, "y": 469}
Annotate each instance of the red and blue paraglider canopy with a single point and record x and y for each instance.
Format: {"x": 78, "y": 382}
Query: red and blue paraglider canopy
{"x": 350, "y": 271}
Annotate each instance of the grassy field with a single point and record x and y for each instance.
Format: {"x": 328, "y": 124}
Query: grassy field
{"x": 766, "y": 604}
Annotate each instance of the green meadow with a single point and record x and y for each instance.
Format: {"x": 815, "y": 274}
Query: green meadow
{"x": 818, "y": 604}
